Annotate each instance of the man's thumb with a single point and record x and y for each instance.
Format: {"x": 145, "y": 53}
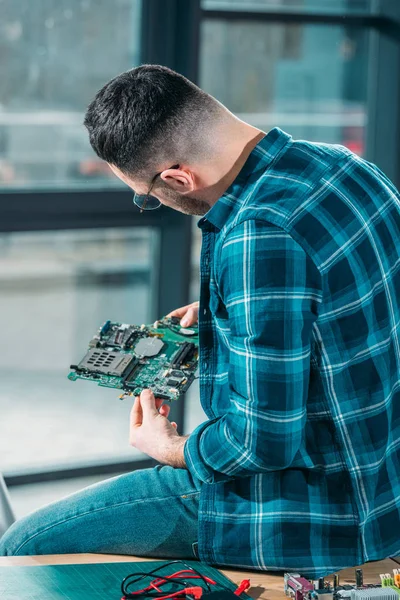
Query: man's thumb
{"x": 148, "y": 403}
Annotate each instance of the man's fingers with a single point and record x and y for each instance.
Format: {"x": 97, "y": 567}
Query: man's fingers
{"x": 174, "y": 424}
{"x": 159, "y": 402}
{"x": 148, "y": 403}
{"x": 179, "y": 312}
{"x": 190, "y": 317}
{"x": 136, "y": 418}
{"x": 164, "y": 410}
{"x": 137, "y": 411}
{"x": 188, "y": 314}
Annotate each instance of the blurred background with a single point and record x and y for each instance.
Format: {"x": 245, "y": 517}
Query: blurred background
{"x": 75, "y": 252}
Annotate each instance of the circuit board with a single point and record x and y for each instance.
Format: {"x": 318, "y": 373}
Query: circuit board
{"x": 297, "y": 587}
{"x": 162, "y": 357}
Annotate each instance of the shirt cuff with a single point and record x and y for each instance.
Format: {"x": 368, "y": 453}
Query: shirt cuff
{"x": 194, "y": 460}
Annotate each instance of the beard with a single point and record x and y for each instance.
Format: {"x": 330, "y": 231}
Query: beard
{"x": 184, "y": 204}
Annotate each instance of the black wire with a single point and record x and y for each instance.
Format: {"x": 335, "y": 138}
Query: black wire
{"x": 126, "y": 583}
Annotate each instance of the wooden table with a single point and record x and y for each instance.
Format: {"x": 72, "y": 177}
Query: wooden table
{"x": 264, "y": 586}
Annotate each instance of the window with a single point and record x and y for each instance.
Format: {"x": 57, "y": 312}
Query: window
{"x": 310, "y": 80}
{"x": 57, "y": 288}
{"x": 54, "y": 56}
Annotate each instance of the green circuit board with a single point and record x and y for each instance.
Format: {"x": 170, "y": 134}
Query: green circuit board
{"x": 162, "y": 357}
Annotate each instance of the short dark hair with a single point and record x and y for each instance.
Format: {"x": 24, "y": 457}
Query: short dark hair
{"x": 147, "y": 114}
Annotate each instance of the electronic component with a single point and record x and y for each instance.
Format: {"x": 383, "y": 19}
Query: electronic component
{"x": 183, "y": 355}
{"x": 296, "y": 586}
{"x": 132, "y": 358}
{"x": 177, "y": 374}
{"x": 377, "y": 593}
{"x": 149, "y": 346}
{"x": 105, "y": 362}
{"x": 187, "y": 332}
{"x": 359, "y": 578}
{"x": 299, "y": 588}
{"x": 387, "y": 579}
{"x": 105, "y": 327}
{"x": 396, "y": 574}
{"x": 173, "y": 382}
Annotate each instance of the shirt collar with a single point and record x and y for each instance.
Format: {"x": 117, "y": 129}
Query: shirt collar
{"x": 262, "y": 155}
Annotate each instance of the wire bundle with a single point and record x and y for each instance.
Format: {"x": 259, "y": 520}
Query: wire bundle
{"x": 180, "y": 581}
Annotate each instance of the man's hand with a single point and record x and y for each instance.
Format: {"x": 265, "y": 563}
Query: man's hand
{"x": 152, "y": 432}
{"x": 188, "y": 314}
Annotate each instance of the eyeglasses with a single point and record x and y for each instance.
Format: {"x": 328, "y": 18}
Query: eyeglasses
{"x": 146, "y": 201}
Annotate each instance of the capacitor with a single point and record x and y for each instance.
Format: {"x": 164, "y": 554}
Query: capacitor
{"x": 336, "y": 580}
{"x": 359, "y": 578}
{"x": 321, "y": 583}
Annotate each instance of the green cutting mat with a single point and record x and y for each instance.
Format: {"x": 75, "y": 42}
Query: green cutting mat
{"x": 85, "y": 581}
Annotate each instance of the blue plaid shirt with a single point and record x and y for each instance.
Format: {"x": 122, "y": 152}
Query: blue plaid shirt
{"x": 300, "y": 363}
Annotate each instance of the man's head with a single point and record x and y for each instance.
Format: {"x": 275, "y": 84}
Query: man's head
{"x": 156, "y": 128}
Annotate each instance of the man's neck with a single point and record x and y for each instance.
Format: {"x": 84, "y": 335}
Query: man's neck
{"x": 243, "y": 144}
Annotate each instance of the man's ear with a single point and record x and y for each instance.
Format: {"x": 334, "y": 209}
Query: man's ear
{"x": 179, "y": 179}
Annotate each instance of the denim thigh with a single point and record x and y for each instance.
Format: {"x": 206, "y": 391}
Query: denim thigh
{"x": 149, "y": 512}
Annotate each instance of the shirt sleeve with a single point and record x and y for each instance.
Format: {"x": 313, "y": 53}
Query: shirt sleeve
{"x": 271, "y": 290}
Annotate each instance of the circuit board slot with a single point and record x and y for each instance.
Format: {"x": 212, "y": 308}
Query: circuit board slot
{"x": 183, "y": 355}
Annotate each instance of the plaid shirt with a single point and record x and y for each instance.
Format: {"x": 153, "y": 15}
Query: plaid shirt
{"x": 299, "y": 363}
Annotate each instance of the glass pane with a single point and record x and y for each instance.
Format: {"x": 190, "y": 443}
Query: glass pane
{"x": 57, "y": 289}
{"x": 55, "y": 55}
{"x": 315, "y": 6}
{"x": 310, "y": 80}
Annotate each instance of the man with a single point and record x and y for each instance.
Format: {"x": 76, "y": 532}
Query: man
{"x": 298, "y": 465}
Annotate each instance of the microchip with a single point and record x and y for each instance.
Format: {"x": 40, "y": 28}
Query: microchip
{"x": 106, "y": 363}
{"x": 148, "y": 346}
{"x": 173, "y": 382}
{"x": 177, "y": 374}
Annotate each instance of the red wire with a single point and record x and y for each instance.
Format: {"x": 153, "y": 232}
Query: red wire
{"x": 192, "y": 576}
{"x": 197, "y": 592}
{"x": 179, "y": 574}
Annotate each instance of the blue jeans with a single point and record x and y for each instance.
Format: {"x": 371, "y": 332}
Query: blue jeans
{"x": 149, "y": 512}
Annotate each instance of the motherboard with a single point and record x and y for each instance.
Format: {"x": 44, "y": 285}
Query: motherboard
{"x": 162, "y": 357}
{"x": 297, "y": 587}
